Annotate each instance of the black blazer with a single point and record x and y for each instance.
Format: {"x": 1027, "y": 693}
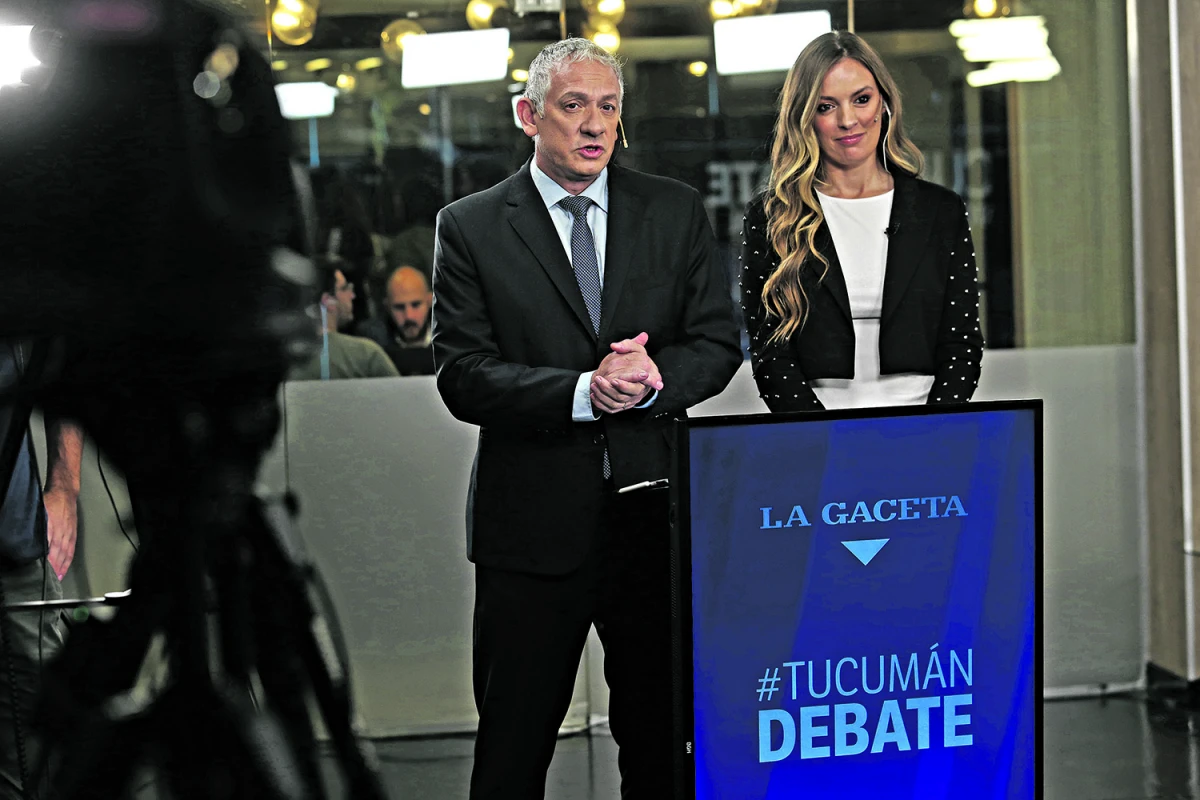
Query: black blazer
{"x": 930, "y": 318}
{"x": 511, "y": 335}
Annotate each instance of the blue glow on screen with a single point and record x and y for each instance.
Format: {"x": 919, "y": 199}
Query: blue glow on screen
{"x": 864, "y": 608}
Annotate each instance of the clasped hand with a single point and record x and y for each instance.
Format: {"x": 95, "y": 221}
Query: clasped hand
{"x": 625, "y": 376}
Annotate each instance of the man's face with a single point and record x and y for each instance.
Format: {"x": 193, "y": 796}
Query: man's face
{"x": 343, "y": 292}
{"x": 575, "y": 138}
{"x": 409, "y": 300}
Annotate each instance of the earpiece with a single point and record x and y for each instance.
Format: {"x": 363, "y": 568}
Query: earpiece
{"x": 887, "y": 132}
{"x": 886, "y": 111}
{"x": 621, "y": 128}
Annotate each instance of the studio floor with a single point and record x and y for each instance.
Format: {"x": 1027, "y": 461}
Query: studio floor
{"x": 1121, "y": 748}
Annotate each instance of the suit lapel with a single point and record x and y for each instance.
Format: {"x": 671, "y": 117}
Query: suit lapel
{"x": 626, "y": 219}
{"x": 835, "y": 280}
{"x": 911, "y": 224}
{"x": 528, "y": 215}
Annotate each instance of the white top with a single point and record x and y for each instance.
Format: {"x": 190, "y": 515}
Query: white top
{"x": 858, "y": 230}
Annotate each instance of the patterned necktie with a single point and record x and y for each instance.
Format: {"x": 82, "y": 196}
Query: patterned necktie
{"x": 587, "y": 270}
{"x": 583, "y": 257}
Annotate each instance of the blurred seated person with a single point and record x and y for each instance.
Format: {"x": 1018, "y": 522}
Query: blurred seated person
{"x": 404, "y": 331}
{"x": 341, "y": 355}
{"x": 347, "y": 233}
{"x": 411, "y": 247}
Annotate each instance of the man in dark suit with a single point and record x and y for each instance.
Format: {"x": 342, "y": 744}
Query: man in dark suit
{"x": 579, "y": 308}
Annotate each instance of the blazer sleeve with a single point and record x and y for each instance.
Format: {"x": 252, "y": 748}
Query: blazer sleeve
{"x": 707, "y": 351}
{"x": 780, "y": 379}
{"x": 959, "y": 351}
{"x": 476, "y": 384}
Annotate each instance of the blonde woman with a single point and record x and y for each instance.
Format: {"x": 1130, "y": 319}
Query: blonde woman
{"x": 858, "y": 278}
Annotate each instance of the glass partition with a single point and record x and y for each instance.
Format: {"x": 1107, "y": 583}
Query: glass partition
{"x": 1044, "y": 165}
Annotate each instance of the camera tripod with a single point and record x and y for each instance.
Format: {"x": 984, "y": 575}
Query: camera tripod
{"x": 217, "y": 577}
{"x": 154, "y": 226}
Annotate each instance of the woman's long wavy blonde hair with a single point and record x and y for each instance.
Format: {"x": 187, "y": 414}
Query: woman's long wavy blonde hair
{"x": 793, "y": 212}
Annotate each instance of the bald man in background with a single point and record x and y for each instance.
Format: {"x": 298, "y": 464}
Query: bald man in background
{"x": 404, "y": 332}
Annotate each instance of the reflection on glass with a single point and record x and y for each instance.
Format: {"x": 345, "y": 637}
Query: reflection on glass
{"x": 1045, "y": 177}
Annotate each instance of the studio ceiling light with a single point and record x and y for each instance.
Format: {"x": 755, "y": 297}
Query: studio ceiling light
{"x": 986, "y": 8}
{"x": 448, "y": 59}
{"x": 305, "y": 100}
{"x": 745, "y": 8}
{"x": 1034, "y": 69}
{"x": 394, "y": 36}
{"x": 604, "y": 34}
{"x": 294, "y": 21}
{"x": 1014, "y": 48}
{"x": 721, "y": 9}
{"x": 481, "y": 12}
{"x": 612, "y": 11}
{"x": 765, "y": 44}
{"x": 16, "y": 56}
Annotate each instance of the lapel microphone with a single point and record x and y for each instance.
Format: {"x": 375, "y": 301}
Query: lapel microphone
{"x": 892, "y": 230}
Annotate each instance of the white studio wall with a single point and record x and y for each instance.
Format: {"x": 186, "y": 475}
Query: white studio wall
{"x": 381, "y": 471}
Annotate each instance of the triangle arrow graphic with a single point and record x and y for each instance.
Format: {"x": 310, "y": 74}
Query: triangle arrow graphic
{"x": 866, "y": 549}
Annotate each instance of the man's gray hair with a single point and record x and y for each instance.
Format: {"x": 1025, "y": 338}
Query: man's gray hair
{"x": 554, "y": 58}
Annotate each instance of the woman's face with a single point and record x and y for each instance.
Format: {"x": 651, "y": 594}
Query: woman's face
{"x": 845, "y": 121}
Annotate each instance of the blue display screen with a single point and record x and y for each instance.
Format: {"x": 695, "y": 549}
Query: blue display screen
{"x": 864, "y": 605}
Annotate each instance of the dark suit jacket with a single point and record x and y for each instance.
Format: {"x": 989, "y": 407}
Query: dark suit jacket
{"x": 511, "y": 335}
{"x": 930, "y": 318}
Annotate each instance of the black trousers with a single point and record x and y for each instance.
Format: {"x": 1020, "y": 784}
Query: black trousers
{"x": 529, "y": 634}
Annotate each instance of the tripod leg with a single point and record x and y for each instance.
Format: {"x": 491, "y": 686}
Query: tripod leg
{"x": 325, "y": 667}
